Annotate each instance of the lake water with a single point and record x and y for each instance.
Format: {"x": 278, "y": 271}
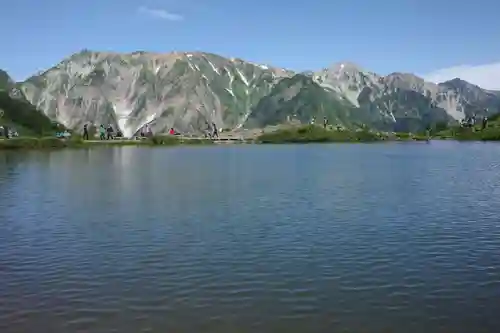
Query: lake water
{"x": 313, "y": 238}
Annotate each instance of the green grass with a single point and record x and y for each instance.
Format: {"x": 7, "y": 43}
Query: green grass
{"x": 27, "y": 143}
{"x": 404, "y": 136}
{"x": 33, "y": 143}
{"x": 491, "y": 133}
{"x": 317, "y": 134}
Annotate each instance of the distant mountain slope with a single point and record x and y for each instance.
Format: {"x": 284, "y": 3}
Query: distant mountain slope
{"x": 407, "y": 101}
{"x": 472, "y": 99}
{"x": 6, "y": 82}
{"x": 17, "y": 112}
{"x": 299, "y": 98}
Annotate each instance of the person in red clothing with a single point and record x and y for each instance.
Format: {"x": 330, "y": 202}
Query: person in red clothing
{"x": 172, "y": 132}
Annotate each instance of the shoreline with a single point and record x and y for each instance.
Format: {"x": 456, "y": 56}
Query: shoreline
{"x": 54, "y": 143}
{"x": 308, "y": 134}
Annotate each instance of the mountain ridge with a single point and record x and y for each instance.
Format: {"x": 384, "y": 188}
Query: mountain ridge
{"x": 192, "y": 90}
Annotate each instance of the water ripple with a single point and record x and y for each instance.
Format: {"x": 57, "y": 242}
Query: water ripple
{"x": 361, "y": 238}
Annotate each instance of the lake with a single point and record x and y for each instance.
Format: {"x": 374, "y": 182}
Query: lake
{"x": 392, "y": 237}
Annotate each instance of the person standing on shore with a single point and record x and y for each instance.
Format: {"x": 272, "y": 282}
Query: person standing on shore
{"x": 102, "y": 132}
{"x": 85, "y": 132}
{"x": 216, "y": 132}
{"x": 485, "y": 123}
{"x": 110, "y": 132}
{"x": 208, "y": 132}
{"x": 325, "y": 122}
{"x": 149, "y": 131}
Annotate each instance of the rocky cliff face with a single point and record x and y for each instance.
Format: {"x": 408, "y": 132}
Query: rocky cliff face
{"x": 190, "y": 91}
{"x": 187, "y": 91}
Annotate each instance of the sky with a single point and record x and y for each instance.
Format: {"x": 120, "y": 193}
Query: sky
{"x": 436, "y": 39}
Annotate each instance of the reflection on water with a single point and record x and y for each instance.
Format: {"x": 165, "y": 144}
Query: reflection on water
{"x": 361, "y": 238}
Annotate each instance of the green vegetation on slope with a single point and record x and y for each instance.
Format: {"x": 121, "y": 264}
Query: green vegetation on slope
{"x": 23, "y": 116}
{"x": 298, "y": 98}
{"x": 399, "y": 110}
{"x": 5, "y": 81}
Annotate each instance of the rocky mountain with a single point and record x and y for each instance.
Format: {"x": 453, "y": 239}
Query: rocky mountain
{"x": 187, "y": 91}
{"x": 190, "y": 91}
{"x": 468, "y": 97}
{"x": 405, "y": 102}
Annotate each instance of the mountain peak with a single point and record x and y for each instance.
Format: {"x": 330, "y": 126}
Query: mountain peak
{"x": 407, "y": 76}
{"x": 458, "y": 83}
{"x": 345, "y": 66}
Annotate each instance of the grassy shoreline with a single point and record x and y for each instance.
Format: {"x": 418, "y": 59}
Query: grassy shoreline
{"x": 34, "y": 143}
{"x": 292, "y": 135}
{"x": 316, "y": 134}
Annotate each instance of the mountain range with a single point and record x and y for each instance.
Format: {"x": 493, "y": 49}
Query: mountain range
{"x": 191, "y": 90}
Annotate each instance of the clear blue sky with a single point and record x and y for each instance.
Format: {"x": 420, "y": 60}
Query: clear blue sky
{"x": 383, "y": 36}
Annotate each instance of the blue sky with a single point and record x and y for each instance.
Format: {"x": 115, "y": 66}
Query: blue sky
{"x": 419, "y": 36}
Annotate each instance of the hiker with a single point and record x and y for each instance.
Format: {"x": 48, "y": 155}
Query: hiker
{"x": 485, "y": 123}
{"x": 149, "y": 131}
{"x": 208, "y": 132}
{"x": 85, "y": 132}
{"x": 469, "y": 122}
{"x": 171, "y": 132}
{"x": 102, "y": 132}
{"x": 325, "y": 122}
{"x": 215, "y": 132}
{"x": 110, "y": 132}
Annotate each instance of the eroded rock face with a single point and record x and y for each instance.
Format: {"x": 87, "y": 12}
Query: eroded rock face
{"x": 182, "y": 90}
